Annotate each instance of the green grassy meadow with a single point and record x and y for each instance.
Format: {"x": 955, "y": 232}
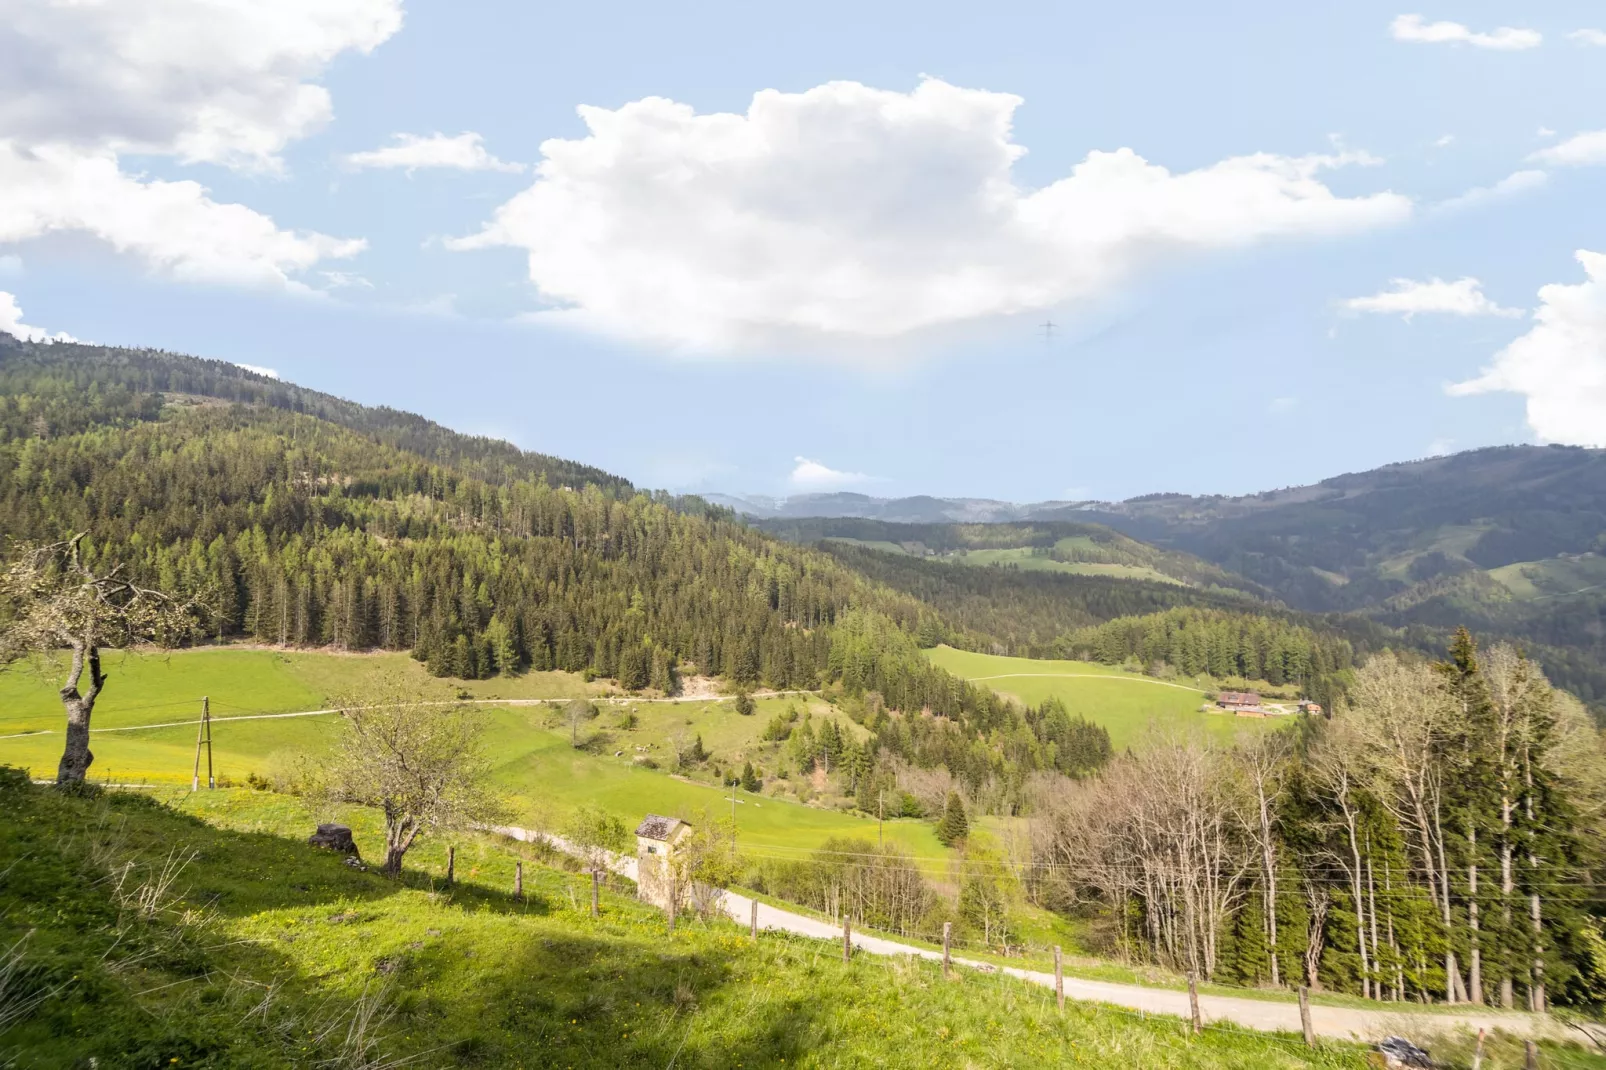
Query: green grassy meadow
{"x": 544, "y": 776}
{"x": 267, "y": 953}
{"x": 1021, "y": 557}
{"x": 1124, "y": 703}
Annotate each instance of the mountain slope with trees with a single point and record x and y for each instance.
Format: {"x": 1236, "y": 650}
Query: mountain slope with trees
{"x": 336, "y": 528}
{"x": 1510, "y": 541}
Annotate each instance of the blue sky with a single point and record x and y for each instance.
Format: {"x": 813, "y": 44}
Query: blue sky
{"x": 841, "y": 282}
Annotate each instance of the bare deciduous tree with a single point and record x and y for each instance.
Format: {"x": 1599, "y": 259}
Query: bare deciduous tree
{"x": 1403, "y": 722}
{"x": 598, "y": 836}
{"x": 418, "y": 763}
{"x": 1263, "y": 759}
{"x": 56, "y": 600}
{"x": 576, "y": 712}
{"x": 1159, "y": 828}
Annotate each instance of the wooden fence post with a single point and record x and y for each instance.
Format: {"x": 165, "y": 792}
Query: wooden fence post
{"x": 596, "y": 885}
{"x": 1304, "y": 1017}
{"x": 518, "y": 880}
{"x": 451, "y": 865}
{"x": 753, "y": 924}
{"x": 847, "y": 939}
{"x": 1059, "y": 979}
{"x": 947, "y": 936}
{"x": 671, "y": 908}
{"x": 1193, "y": 1004}
{"x": 1477, "y": 1053}
{"x": 1530, "y": 1056}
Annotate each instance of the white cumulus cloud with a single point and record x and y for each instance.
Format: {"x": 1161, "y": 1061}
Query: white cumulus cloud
{"x": 1416, "y": 29}
{"x": 1589, "y": 37}
{"x": 1580, "y": 150}
{"x": 814, "y": 476}
{"x": 200, "y": 81}
{"x": 465, "y": 152}
{"x": 1407, "y": 297}
{"x": 11, "y": 323}
{"x": 270, "y": 373}
{"x": 173, "y": 226}
{"x": 224, "y": 81}
{"x": 1559, "y": 365}
{"x": 847, "y": 212}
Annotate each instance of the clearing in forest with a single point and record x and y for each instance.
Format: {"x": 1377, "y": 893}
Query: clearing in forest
{"x": 1125, "y": 703}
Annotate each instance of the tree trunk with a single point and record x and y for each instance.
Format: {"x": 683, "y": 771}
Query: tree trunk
{"x": 1371, "y": 908}
{"x": 1268, "y": 863}
{"x": 1474, "y": 937}
{"x": 399, "y": 835}
{"x": 1315, "y": 934}
{"x": 80, "y": 706}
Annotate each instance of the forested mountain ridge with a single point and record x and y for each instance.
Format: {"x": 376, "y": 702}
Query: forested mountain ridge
{"x": 1509, "y": 541}
{"x": 1055, "y": 546}
{"x": 68, "y": 387}
{"x": 302, "y": 530}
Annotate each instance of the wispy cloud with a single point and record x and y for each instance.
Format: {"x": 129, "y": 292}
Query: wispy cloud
{"x": 1580, "y": 150}
{"x": 1408, "y": 297}
{"x": 465, "y": 152}
{"x": 1512, "y": 185}
{"x": 1589, "y": 37}
{"x": 1417, "y": 30}
{"x": 814, "y": 476}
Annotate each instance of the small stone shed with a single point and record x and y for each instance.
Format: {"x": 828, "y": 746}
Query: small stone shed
{"x": 656, "y": 840}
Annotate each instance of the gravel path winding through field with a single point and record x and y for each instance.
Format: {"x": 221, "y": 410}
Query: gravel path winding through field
{"x": 1346, "y": 1023}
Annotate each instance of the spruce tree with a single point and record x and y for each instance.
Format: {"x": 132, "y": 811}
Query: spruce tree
{"x": 953, "y": 826}
{"x": 750, "y": 781}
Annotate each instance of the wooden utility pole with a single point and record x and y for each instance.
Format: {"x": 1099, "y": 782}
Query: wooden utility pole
{"x": 1530, "y": 1055}
{"x": 847, "y": 939}
{"x": 1304, "y": 1017}
{"x": 947, "y": 936}
{"x": 1059, "y": 979}
{"x": 203, "y": 734}
{"x": 753, "y": 924}
{"x": 518, "y": 880}
{"x": 451, "y": 864}
{"x": 1193, "y": 1004}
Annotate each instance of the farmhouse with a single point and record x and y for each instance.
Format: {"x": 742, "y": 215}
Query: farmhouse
{"x": 1238, "y": 700}
{"x": 656, "y": 839}
{"x": 1314, "y": 709}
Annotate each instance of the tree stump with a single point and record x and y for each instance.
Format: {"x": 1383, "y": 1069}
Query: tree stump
{"x": 335, "y": 838}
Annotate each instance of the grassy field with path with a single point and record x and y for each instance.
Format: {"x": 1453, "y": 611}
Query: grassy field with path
{"x": 1124, "y": 703}
{"x": 267, "y": 953}
{"x": 544, "y": 776}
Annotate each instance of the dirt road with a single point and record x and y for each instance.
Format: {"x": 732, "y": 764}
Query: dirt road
{"x": 1346, "y": 1023}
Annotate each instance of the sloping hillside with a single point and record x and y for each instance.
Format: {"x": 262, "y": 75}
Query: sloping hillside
{"x": 1510, "y": 541}
{"x": 56, "y": 389}
{"x": 1053, "y": 546}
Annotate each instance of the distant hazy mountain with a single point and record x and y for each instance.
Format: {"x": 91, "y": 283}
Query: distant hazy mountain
{"x": 920, "y": 509}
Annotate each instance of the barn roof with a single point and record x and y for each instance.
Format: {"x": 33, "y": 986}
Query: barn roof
{"x": 657, "y": 827}
{"x": 1239, "y": 698}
